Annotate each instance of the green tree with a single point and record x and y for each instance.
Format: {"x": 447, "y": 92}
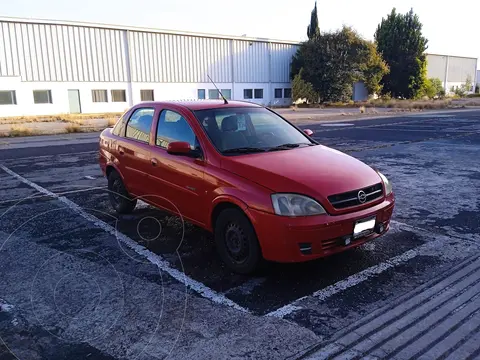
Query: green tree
{"x": 433, "y": 87}
{"x": 464, "y": 88}
{"x": 332, "y": 62}
{"x": 400, "y": 41}
{"x": 313, "y": 29}
{"x": 302, "y": 89}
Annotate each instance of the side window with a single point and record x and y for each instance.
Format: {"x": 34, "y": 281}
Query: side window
{"x": 173, "y": 127}
{"x": 119, "y": 127}
{"x": 139, "y": 125}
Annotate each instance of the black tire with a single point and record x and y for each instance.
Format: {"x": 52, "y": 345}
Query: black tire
{"x": 236, "y": 242}
{"x": 119, "y": 197}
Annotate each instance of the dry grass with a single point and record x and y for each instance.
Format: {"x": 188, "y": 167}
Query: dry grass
{"x": 73, "y": 118}
{"x": 410, "y": 104}
{"x": 401, "y": 105}
{"x": 18, "y": 130}
{"x": 73, "y": 128}
{"x": 112, "y": 121}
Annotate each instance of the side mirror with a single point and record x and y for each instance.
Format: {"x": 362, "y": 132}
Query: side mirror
{"x": 179, "y": 148}
{"x": 308, "y": 132}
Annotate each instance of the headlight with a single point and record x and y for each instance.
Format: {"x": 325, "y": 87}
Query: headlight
{"x": 296, "y": 205}
{"x": 388, "y": 184}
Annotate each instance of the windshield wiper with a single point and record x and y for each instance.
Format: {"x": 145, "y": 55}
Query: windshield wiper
{"x": 243, "y": 150}
{"x": 288, "y": 146}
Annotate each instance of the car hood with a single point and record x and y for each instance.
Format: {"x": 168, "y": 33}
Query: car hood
{"x": 316, "y": 171}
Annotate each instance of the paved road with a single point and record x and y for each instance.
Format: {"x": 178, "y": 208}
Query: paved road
{"x": 79, "y": 282}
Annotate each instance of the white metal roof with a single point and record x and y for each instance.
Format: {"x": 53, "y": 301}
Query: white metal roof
{"x": 142, "y": 29}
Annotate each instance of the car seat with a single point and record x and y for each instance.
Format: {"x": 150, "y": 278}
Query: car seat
{"x": 231, "y": 138}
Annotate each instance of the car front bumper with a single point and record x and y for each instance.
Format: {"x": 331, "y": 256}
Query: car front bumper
{"x": 285, "y": 239}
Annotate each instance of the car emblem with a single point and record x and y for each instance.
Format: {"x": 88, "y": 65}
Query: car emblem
{"x": 362, "y": 197}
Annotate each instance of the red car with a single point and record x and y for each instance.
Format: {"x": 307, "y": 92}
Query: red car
{"x": 263, "y": 187}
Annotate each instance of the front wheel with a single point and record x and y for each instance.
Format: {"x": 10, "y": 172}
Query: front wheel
{"x": 119, "y": 197}
{"x": 237, "y": 242}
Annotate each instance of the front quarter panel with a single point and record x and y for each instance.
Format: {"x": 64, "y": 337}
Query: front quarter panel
{"x": 230, "y": 188}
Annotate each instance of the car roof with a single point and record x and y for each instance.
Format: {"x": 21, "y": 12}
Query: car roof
{"x": 203, "y": 104}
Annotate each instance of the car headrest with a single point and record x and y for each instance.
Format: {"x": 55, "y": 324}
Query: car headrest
{"x": 230, "y": 123}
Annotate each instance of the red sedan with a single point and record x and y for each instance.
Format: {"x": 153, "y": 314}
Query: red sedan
{"x": 263, "y": 187}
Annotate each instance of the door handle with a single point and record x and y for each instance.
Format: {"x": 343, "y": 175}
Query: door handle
{"x": 121, "y": 150}
{"x": 154, "y": 161}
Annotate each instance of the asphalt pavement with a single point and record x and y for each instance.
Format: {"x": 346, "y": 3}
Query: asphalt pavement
{"x": 80, "y": 282}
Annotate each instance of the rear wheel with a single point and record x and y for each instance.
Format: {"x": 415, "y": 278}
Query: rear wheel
{"x": 119, "y": 197}
{"x": 237, "y": 242}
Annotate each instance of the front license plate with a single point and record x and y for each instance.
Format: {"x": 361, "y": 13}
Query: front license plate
{"x": 363, "y": 227}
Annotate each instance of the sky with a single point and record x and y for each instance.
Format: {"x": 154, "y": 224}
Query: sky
{"x": 451, "y": 28}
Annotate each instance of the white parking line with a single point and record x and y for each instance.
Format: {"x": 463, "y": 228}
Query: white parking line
{"x": 46, "y": 156}
{"x": 19, "y": 200}
{"x": 150, "y": 256}
{"x": 361, "y": 276}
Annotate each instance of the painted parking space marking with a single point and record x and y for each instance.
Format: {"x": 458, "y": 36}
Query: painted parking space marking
{"x": 155, "y": 259}
{"x": 49, "y": 156}
{"x": 199, "y": 287}
{"x": 56, "y": 194}
{"x": 366, "y": 274}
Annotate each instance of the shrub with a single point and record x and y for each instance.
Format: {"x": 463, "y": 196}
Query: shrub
{"x": 73, "y": 128}
{"x": 432, "y": 88}
{"x": 21, "y": 131}
{"x": 302, "y": 89}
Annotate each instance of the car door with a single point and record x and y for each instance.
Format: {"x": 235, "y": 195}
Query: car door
{"x": 134, "y": 150}
{"x": 178, "y": 179}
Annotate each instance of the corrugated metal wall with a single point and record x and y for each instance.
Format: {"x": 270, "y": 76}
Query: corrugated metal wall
{"x": 250, "y": 61}
{"x": 177, "y": 58}
{"x": 459, "y": 68}
{"x": 51, "y": 52}
{"x": 436, "y": 66}
{"x": 281, "y": 58}
{"x": 39, "y": 52}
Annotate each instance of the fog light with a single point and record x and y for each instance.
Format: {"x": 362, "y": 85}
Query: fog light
{"x": 347, "y": 240}
{"x": 379, "y": 228}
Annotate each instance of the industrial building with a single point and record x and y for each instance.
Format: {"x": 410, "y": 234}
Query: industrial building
{"x": 453, "y": 71}
{"x": 54, "y": 67}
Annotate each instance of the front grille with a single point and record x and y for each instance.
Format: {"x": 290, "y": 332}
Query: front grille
{"x": 349, "y": 199}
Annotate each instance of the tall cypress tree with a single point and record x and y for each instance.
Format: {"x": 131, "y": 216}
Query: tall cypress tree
{"x": 313, "y": 29}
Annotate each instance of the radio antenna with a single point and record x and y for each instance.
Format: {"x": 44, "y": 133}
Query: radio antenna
{"x": 223, "y": 97}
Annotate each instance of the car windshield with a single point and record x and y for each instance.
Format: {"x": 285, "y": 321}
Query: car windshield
{"x": 249, "y": 130}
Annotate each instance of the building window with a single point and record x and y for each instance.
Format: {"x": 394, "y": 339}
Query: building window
{"x": 278, "y": 93}
{"x": 146, "y": 95}
{"x": 119, "y": 96}
{"x": 213, "y": 94}
{"x": 8, "y": 97}
{"x": 99, "y": 96}
{"x": 287, "y": 93}
{"x": 258, "y": 93}
{"x": 42, "y": 96}
{"x": 227, "y": 93}
{"x": 247, "y": 93}
{"x": 201, "y": 94}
